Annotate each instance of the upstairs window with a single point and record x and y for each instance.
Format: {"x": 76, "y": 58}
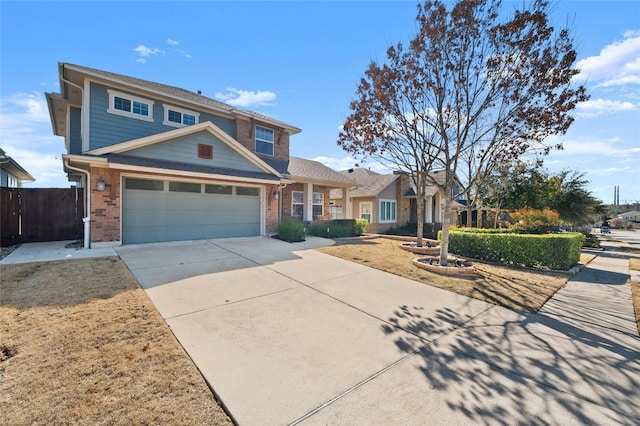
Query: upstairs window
{"x": 179, "y": 117}
{"x": 264, "y": 141}
{"x": 131, "y": 106}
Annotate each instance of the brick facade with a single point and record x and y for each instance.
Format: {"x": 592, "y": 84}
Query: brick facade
{"x": 271, "y": 215}
{"x": 287, "y": 198}
{"x": 245, "y": 134}
{"x": 105, "y": 206}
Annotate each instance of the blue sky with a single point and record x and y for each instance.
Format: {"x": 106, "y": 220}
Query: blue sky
{"x": 299, "y": 62}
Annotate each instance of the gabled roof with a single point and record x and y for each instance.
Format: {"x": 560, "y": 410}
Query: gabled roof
{"x": 370, "y": 184}
{"x": 72, "y": 76}
{"x": 12, "y": 167}
{"x": 302, "y": 170}
{"x": 205, "y": 126}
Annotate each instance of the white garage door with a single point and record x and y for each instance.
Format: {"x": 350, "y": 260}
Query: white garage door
{"x": 160, "y": 210}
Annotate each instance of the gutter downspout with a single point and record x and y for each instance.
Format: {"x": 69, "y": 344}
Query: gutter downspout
{"x": 87, "y": 205}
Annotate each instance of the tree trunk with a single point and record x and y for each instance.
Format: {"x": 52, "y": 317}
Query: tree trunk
{"x": 444, "y": 244}
{"x": 420, "y": 218}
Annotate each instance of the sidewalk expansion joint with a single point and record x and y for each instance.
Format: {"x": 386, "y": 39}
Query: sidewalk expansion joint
{"x": 231, "y": 303}
{"x": 385, "y": 369}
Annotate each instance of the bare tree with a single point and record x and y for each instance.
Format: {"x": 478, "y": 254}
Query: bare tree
{"x": 473, "y": 82}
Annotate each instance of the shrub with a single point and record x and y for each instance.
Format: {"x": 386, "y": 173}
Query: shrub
{"x": 338, "y": 228}
{"x": 591, "y": 240}
{"x": 532, "y": 221}
{"x": 291, "y": 231}
{"x": 554, "y": 251}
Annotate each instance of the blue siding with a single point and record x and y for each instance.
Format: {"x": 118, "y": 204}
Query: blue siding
{"x": 4, "y": 178}
{"x": 108, "y": 129}
{"x": 75, "y": 132}
{"x": 185, "y": 150}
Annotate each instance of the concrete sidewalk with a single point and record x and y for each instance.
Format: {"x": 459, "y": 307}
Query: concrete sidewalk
{"x": 53, "y": 250}
{"x": 288, "y": 335}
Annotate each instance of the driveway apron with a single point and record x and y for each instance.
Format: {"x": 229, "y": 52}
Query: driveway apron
{"x": 287, "y": 335}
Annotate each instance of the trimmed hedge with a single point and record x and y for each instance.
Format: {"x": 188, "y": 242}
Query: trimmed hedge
{"x": 338, "y": 228}
{"x": 484, "y": 230}
{"x": 554, "y": 251}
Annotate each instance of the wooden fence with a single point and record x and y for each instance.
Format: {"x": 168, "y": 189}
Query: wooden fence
{"x": 40, "y": 214}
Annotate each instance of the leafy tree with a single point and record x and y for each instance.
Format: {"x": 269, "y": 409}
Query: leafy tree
{"x": 474, "y": 87}
{"x": 526, "y": 185}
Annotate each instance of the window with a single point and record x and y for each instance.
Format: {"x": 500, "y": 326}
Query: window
{"x": 130, "y": 106}
{"x": 264, "y": 141}
{"x": 218, "y": 189}
{"x": 243, "y": 190}
{"x": 179, "y": 117}
{"x": 387, "y": 211}
{"x": 144, "y": 184}
{"x": 297, "y": 203}
{"x": 318, "y": 204}
{"x": 365, "y": 211}
{"x": 184, "y": 187}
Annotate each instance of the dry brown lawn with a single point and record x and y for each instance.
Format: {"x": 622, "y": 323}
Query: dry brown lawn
{"x": 82, "y": 344}
{"x": 634, "y": 263}
{"x": 519, "y": 289}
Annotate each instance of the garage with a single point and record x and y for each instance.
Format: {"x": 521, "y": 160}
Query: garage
{"x": 156, "y": 210}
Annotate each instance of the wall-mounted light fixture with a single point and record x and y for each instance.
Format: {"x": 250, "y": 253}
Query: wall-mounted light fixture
{"x": 276, "y": 195}
{"x": 100, "y": 186}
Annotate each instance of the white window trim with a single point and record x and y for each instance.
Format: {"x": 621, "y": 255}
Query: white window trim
{"x": 182, "y": 111}
{"x": 370, "y": 205}
{"x": 293, "y": 204}
{"x": 321, "y": 204}
{"x": 395, "y": 213}
{"x": 111, "y": 110}
{"x": 273, "y": 142}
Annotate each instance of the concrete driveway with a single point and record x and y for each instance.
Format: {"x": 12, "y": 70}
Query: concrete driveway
{"x": 287, "y": 335}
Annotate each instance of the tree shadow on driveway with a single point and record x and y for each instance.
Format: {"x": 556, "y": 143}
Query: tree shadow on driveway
{"x": 505, "y": 367}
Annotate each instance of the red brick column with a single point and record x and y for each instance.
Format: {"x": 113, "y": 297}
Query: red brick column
{"x": 105, "y": 206}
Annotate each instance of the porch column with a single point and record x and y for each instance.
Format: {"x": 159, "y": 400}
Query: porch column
{"x": 347, "y": 212}
{"x": 307, "y": 215}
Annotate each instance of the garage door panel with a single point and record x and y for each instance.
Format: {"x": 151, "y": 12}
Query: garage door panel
{"x": 153, "y": 216}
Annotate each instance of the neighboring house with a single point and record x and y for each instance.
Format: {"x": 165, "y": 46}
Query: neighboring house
{"x": 12, "y": 174}
{"x": 165, "y": 164}
{"x": 376, "y": 198}
{"x": 630, "y": 219}
{"x": 633, "y": 216}
{"x": 388, "y": 201}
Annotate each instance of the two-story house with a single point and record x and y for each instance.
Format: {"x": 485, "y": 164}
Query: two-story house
{"x": 160, "y": 163}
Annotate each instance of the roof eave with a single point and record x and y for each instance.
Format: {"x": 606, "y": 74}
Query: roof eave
{"x": 229, "y": 110}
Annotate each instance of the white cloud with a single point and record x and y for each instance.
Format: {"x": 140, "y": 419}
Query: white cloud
{"x": 172, "y": 42}
{"x": 246, "y": 98}
{"x": 27, "y": 138}
{"x": 598, "y": 107}
{"x": 609, "y": 171}
{"x": 145, "y": 52}
{"x": 617, "y": 64}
